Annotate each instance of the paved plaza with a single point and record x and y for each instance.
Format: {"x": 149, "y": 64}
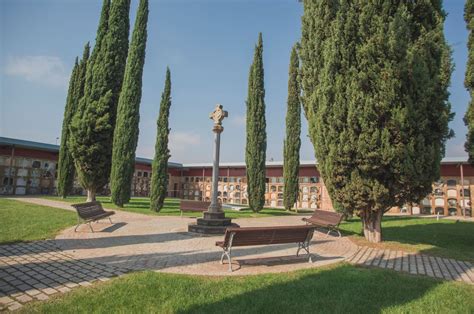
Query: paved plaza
{"x": 37, "y": 270}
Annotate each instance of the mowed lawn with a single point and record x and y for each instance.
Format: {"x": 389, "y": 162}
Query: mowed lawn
{"x": 446, "y": 238}
{"x": 171, "y": 208}
{"x": 21, "y": 221}
{"x": 336, "y": 289}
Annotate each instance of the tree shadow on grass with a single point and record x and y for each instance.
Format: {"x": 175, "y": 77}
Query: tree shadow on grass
{"x": 343, "y": 289}
{"x": 446, "y": 238}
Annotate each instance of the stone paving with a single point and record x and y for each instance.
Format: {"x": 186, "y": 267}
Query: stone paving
{"x": 37, "y": 270}
{"x": 414, "y": 263}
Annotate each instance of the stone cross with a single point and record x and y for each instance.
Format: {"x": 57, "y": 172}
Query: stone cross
{"x": 217, "y": 115}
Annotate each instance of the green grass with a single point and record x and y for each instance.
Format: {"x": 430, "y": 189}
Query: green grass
{"x": 171, "y": 208}
{"x": 446, "y": 238}
{"x": 27, "y": 222}
{"x": 337, "y": 289}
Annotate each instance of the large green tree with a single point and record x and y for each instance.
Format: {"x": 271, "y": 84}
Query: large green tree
{"x": 93, "y": 125}
{"x": 469, "y": 80}
{"x": 375, "y": 76}
{"x": 75, "y": 93}
{"x": 256, "y": 146}
{"x": 128, "y": 113}
{"x": 159, "y": 175}
{"x": 65, "y": 162}
{"x": 292, "y": 143}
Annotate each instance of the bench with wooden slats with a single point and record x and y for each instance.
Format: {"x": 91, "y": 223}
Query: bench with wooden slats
{"x": 90, "y": 212}
{"x": 193, "y": 206}
{"x": 326, "y": 219}
{"x": 265, "y": 236}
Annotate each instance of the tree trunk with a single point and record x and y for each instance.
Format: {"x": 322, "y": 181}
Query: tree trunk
{"x": 90, "y": 195}
{"x": 372, "y": 223}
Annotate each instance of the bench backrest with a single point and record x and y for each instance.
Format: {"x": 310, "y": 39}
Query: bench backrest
{"x": 267, "y": 235}
{"x": 193, "y": 205}
{"x": 326, "y": 217}
{"x": 89, "y": 209}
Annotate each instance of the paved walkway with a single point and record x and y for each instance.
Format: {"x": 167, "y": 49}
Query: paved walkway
{"x": 37, "y": 270}
{"x": 137, "y": 242}
{"x": 414, "y": 263}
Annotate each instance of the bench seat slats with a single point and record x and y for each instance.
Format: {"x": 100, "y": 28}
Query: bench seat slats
{"x": 91, "y": 211}
{"x": 324, "y": 218}
{"x": 265, "y": 235}
{"x": 193, "y": 206}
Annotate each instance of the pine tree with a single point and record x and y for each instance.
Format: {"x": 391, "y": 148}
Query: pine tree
{"x": 159, "y": 176}
{"x": 65, "y": 162}
{"x": 256, "y": 146}
{"x": 292, "y": 143}
{"x": 128, "y": 113}
{"x": 469, "y": 80}
{"x": 376, "y": 100}
{"x": 93, "y": 126}
{"x": 75, "y": 92}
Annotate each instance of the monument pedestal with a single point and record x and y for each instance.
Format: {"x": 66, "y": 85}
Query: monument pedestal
{"x": 212, "y": 223}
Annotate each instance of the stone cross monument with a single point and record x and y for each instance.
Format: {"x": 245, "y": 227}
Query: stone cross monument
{"x": 214, "y": 220}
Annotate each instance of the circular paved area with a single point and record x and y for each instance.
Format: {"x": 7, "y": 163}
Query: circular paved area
{"x": 140, "y": 242}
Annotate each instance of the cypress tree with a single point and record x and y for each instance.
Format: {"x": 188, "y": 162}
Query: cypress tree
{"x": 159, "y": 176}
{"x": 376, "y": 100}
{"x": 128, "y": 112}
{"x": 469, "y": 80}
{"x": 292, "y": 143}
{"x": 93, "y": 127}
{"x": 65, "y": 162}
{"x": 256, "y": 146}
{"x": 75, "y": 92}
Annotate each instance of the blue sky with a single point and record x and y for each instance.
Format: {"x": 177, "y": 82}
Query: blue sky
{"x": 208, "y": 46}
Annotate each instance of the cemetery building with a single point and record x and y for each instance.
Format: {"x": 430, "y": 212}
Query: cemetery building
{"x": 28, "y": 168}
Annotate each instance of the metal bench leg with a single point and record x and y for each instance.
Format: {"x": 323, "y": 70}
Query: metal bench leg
{"x": 79, "y": 222}
{"x": 227, "y": 254}
{"x": 90, "y": 226}
{"x": 111, "y": 221}
{"x": 333, "y": 229}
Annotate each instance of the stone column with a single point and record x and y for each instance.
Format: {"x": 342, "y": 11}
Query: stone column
{"x": 215, "y": 207}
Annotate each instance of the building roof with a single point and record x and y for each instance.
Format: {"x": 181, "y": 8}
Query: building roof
{"x": 240, "y": 164}
{"x": 6, "y": 141}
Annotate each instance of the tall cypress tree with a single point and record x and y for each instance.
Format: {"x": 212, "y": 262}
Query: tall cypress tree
{"x": 75, "y": 92}
{"x": 65, "y": 162}
{"x": 256, "y": 146}
{"x": 128, "y": 112}
{"x": 469, "y": 80}
{"x": 159, "y": 176}
{"x": 376, "y": 100}
{"x": 93, "y": 127}
{"x": 292, "y": 143}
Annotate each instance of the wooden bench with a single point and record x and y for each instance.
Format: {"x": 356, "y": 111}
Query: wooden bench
{"x": 325, "y": 219}
{"x": 90, "y": 212}
{"x": 193, "y": 206}
{"x": 266, "y": 235}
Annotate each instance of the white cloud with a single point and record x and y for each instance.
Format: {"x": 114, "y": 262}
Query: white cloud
{"x": 47, "y": 70}
{"x": 181, "y": 141}
{"x": 238, "y": 120}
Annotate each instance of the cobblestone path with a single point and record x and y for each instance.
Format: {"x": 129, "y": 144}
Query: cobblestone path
{"x": 415, "y": 263}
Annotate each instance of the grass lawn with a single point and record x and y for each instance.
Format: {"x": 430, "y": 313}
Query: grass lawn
{"x": 337, "y": 289}
{"x": 447, "y": 238}
{"x": 142, "y": 205}
{"x": 26, "y": 222}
